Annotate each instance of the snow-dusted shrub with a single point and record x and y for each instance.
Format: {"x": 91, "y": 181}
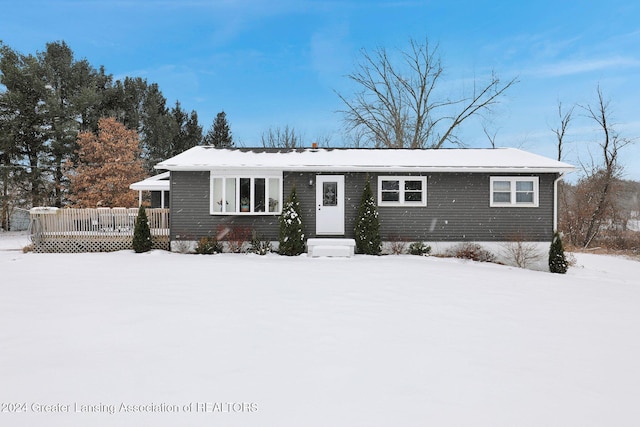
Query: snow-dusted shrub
{"x": 291, "y": 235}
{"x": 208, "y": 246}
{"x": 472, "y": 251}
{"x": 181, "y": 246}
{"x": 141, "y": 232}
{"x": 419, "y": 248}
{"x": 557, "y": 261}
{"x": 367, "y": 229}
{"x": 259, "y": 245}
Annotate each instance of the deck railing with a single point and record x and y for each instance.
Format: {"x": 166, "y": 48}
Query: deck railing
{"x": 93, "y": 230}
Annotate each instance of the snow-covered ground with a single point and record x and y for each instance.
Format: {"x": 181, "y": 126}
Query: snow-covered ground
{"x": 244, "y": 340}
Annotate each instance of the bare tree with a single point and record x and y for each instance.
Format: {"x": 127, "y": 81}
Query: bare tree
{"x": 397, "y": 105}
{"x": 281, "y": 138}
{"x": 491, "y": 136}
{"x": 566, "y": 192}
{"x": 601, "y": 179}
{"x": 561, "y": 131}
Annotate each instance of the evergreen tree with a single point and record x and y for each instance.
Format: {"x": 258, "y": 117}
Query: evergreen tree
{"x": 186, "y": 132}
{"x": 157, "y": 127}
{"x": 23, "y": 118}
{"x": 367, "y": 230}
{"x": 291, "y": 231}
{"x": 70, "y": 97}
{"x": 220, "y": 134}
{"x": 141, "y": 232}
{"x": 557, "y": 260}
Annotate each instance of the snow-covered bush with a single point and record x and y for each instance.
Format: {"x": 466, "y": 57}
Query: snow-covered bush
{"x": 291, "y": 236}
{"x": 419, "y": 248}
{"x": 182, "y": 246}
{"x": 208, "y": 246}
{"x": 141, "y": 232}
{"x": 472, "y": 251}
{"x": 367, "y": 229}
{"x": 259, "y": 245}
{"x": 557, "y": 261}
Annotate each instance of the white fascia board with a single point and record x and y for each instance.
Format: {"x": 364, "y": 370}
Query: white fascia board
{"x": 151, "y": 186}
{"x": 345, "y": 169}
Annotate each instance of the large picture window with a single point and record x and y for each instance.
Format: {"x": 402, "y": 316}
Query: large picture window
{"x": 510, "y": 191}
{"x": 246, "y": 195}
{"x": 402, "y": 191}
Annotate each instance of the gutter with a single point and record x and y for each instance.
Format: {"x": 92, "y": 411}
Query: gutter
{"x": 383, "y": 169}
{"x": 555, "y": 201}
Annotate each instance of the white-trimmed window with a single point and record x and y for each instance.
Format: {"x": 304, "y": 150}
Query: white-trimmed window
{"x": 402, "y": 191}
{"x": 246, "y": 194}
{"x": 514, "y": 191}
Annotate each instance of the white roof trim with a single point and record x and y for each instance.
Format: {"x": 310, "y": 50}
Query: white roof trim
{"x": 499, "y": 160}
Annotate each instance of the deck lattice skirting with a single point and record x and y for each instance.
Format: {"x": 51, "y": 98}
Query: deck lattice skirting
{"x": 93, "y": 230}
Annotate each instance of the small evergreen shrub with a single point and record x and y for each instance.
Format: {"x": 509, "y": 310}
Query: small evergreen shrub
{"x": 367, "y": 229}
{"x": 291, "y": 235}
{"x": 419, "y": 248}
{"x": 208, "y": 246}
{"x": 473, "y": 251}
{"x": 259, "y": 245}
{"x": 557, "y": 260}
{"x": 141, "y": 232}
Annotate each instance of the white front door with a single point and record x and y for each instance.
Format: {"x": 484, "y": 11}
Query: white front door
{"x": 330, "y": 204}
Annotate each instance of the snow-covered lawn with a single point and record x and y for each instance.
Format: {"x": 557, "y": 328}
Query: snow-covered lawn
{"x": 244, "y": 340}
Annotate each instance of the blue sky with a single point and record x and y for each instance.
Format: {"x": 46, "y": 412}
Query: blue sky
{"x": 280, "y": 62}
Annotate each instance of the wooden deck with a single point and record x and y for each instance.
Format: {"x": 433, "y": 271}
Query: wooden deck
{"x": 94, "y": 230}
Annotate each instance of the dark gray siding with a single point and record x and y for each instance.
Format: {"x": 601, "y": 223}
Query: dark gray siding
{"x": 457, "y": 209}
{"x": 190, "y": 218}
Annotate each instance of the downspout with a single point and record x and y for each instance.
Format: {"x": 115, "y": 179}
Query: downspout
{"x": 555, "y": 201}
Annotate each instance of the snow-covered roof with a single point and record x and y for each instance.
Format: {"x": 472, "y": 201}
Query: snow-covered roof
{"x": 203, "y": 158}
{"x": 158, "y": 182}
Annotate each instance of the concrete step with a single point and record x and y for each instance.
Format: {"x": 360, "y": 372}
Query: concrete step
{"x": 331, "y": 247}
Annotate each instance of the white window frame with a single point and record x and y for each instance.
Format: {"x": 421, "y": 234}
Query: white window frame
{"x": 401, "y": 184}
{"x": 513, "y": 180}
{"x": 252, "y": 176}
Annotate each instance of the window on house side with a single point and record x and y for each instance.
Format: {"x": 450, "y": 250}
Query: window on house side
{"x": 508, "y": 191}
{"x": 259, "y": 195}
{"x": 402, "y": 191}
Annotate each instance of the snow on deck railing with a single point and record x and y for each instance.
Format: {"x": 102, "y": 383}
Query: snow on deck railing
{"x": 98, "y": 221}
